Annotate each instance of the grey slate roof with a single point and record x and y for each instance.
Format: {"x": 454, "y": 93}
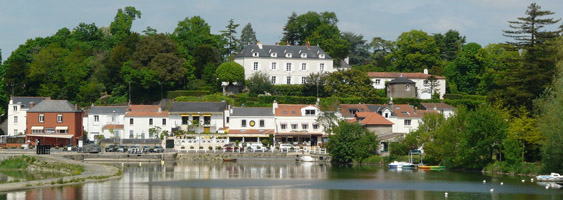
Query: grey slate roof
{"x": 198, "y": 107}
{"x": 25, "y": 101}
{"x": 254, "y": 111}
{"x": 281, "y": 50}
{"x": 53, "y": 106}
{"x": 401, "y": 80}
{"x": 107, "y": 109}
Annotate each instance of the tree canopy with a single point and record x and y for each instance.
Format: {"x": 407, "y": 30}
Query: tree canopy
{"x": 230, "y": 72}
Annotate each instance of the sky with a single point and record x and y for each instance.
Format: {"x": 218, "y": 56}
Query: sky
{"x": 481, "y": 21}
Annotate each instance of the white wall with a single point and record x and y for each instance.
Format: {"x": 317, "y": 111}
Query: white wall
{"x": 217, "y": 121}
{"x": 296, "y": 73}
{"x": 423, "y": 91}
{"x": 14, "y": 128}
{"x": 141, "y": 126}
{"x": 95, "y": 128}
{"x": 400, "y": 127}
{"x": 236, "y": 122}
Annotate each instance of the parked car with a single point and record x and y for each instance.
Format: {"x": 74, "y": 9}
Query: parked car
{"x": 121, "y": 148}
{"x": 157, "y": 149}
{"x": 92, "y": 148}
{"x": 254, "y": 147}
{"x": 146, "y": 149}
{"x": 111, "y": 148}
{"x": 69, "y": 148}
{"x": 231, "y": 147}
{"x": 135, "y": 149}
{"x": 286, "y": 147}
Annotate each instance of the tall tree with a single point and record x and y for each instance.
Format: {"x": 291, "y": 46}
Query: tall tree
{"x": 450, "y": 44}
{"x": 358, "y": 48}
{"x": 247, "y": 35}
{"x": 349, "y": 83}
{"x": 230, "y": 35}
{"x": 191, "y": 33}
{"x": 464, "y": 71}
{"x": 381, "y": 48}
{"x": 537, "y": 66}
{"x": 291, "y": 30}
{"x": 123, "y": 20}
{"x": 416, "y": 51}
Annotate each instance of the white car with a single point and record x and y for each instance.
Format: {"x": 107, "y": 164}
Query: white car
{"x": 286, "y": 147}
{"x": 256, "y": 147}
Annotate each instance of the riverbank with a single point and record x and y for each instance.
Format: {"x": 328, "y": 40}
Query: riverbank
{"x": 92, "y": 173}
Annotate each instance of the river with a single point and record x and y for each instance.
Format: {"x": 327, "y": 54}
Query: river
{"x": 292, "y": 181}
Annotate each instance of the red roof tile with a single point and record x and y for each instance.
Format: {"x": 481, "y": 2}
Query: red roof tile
{"x": 371, "y": 118}
{"x": 345, "y": 109}
{"x": 147, "y": 114}
{"x": 430, "y": 106}
{"x": 144, "y": 108}
{"x": 398, "y": 74}
{"x": 290, "y": 109}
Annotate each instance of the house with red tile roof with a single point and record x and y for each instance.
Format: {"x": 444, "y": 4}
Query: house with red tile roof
{"x": 442, "y": 108}
{"x": 297, "y": 124}
{"x": 423, "y": 87}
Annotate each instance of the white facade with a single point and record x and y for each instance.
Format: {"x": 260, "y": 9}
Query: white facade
{"x": 17, "y": 112}
{"x": 96, "y": 123}
{"x": 214, "y": 124}
{"x": 305, "y": 123}
{"x": 137, "y": 127}
{"x": 379, "y": 79}
{"x": 252, "y": 122}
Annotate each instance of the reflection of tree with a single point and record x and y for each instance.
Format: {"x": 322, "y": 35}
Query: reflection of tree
{"x": 431, "y": 85}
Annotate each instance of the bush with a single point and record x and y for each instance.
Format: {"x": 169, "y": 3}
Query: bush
{"x": 351, "y": 142}
{"x": 178, "y": 93}
{"x": 288, "y": 90}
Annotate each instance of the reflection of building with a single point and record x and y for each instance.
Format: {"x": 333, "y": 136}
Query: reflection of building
{"x": 54, "y": 122}
{"x": 297, "y": 123}
{"x": 423, "y": 82}
{"x": 17, "y": 111}
{"x": 283, "y": 63}
{"x": 198, "y": 117}
{"x": 144, "y": 121}
{"x": 106, "y": 121}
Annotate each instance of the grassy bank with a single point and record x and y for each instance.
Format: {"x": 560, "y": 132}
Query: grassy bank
{"x": 25, "y": 168}
{"x": 524, "y": 168}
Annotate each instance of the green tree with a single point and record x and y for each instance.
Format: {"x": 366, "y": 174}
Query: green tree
{"x": 206, "y": 56}
{"x": 465, "y": 70}
{"x": 381, "y": 48}
{"x": 150, "y": 31}
{"x": 351, "y": 142}
{"x": 537, "y": 66}
{"x": 230, "y": 72}
{"x": 122, "y": 22}
{"x": 247, "y": 36}
{"x": 349, "y": 83}
{"x": 524, "y": 130}
{"x": 498, "y": 60}
{"x": 358, "y": 48}
{"x": 230, "y": 35}
{"x": 450, "y": 44}
{"x": 416, "y": 51}
{"x": 192, "y": 33}
{"x": 259, "y": 83}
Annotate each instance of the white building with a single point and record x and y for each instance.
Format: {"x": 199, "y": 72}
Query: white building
{"x": 283, "y": 63}
{"x": 297, "y": 124}
{"x": 140, "y": 119}
{"x": 105, "y": 120}
{"x": 17, "y": 111}
{"x": 251, "y": 124}
{"x": 199, "y": 117}
{"x": 442, "y": 108}
{"x": 422, "y": 84}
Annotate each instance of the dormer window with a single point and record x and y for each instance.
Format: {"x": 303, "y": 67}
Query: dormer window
{"x": 288, "y": 55}
{"x": 255, "y": 54}
{"x": 352, "y": 111}
{"x": 304, "y": 55}
{"x": 321, "y": 56}
{"x": 309, "y": 112}
{"x": 274, "y": 55}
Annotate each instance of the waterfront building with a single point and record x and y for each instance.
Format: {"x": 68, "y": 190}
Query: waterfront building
{"x": 17, "y": 112}
{"x": 251, "y": 124}
{"x": 297, "y": 124}
{"x": 107, "y": 121}
{"x": 54, "y": 122}
{"x": 145, "y": 122}
{"x": 199, "y": 117}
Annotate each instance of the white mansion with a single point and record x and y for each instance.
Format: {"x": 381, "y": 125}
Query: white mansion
{"x": 283, "y": 63}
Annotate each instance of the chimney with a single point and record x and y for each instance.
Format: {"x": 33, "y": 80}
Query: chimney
{"x": 274, "y": 106}
{"x": 425, "y": 71}
{"x": 75, "y": 106}
{"x": 287, "y": 43}
{"x": 308, "y": 45}
{"x": 259, "y": 45}
{"x": 31, "y": 104}
{"x": 277, "y": 44}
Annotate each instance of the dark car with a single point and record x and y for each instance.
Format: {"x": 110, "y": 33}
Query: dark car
{"x": 146, "y": 149}
{"x": 157, "y": 149}
{"x": 111, "y": 148}
{"x": 231, "y": 148}
{"x": 121, "y": 149}
{"x": 92, "y": 148}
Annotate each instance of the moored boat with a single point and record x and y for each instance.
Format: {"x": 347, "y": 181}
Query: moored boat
{"x": 552, "y": 177}
{"x": 307, "y": 159}
{"x": 402, "y": 165}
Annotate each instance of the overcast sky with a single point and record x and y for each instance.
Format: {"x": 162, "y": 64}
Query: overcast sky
{"x": 481, "y": 21}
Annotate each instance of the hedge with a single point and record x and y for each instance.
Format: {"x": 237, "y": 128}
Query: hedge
{"x": 178, "y": 93}
{"x": 288, "y": 90}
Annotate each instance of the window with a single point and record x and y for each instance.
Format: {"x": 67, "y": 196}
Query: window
{"x": 353, "y": 111}
{"x": 273, "y": 80}
{"x": 207, "y": 120}
{"x": 49, "y": 130}
{"x": 227, "y": 119}
{"x": 288, "y": 55}
{"x": 150, "y": 121}
{"x": 15, "y": 108}
{"x": 304, "y": 55}
{"x": 294, "y": 126}
{"x": 62, "y": 131}
{"x": 96, "y": 118}
{"x": 37, "y": 131}
{"x": 243, "y": 123}
{"x": 322, "y": 67}
{"x": 262, "y": 123}
{"x": 274, "y": 54}
{"x": 304, "y": 126}
{"x": 386, "y": 115}
{"x": 288, "y": 67}
{"x": 288, "y": 80}
{"x": 131, "y": 133}
{"x": 303, "y": 66}
{"x": 321, "y": 56}
{"x": 15, "y": 131}
{"x": 60, "y": 118}
{"x": 131, "y": 121}
{"x": 315, "y": 126}
{"x": 274, "y": 67}
{"x": 309, "y": 112}
{"x": 185, "y": 120}
{"x": 255, "y": 66}
{"x": 407, "y": 122}
{"x": 303, "y": 80}
{"x": 283, "y": 126}
{"x": 113, "y": 119}
{"x": 255, "y": 54}
{"x": 164, "y": 122}
{"x": 407, "y": 87}
{"x": 15, "y": 119}
{"x": 41, "y": 118}
{"x": 377, "y": 81}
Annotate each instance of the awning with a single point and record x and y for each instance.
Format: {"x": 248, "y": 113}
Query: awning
{"x": 185, "y": 114}
{"x": 65, "y": 136}
{"x": 37, "y": 128}
{"x": 61, "y": 128}
{"x": 207, "y": 114}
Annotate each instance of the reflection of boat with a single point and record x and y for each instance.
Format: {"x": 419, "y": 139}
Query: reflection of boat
{"x": 401, "y": 165}
{"x": 307, "y": 159}
{"x": 552, "y": 177}
{"x": 229, "y": 159}
{"x": 432, "y": 167}
{"x": 551, "y": 185}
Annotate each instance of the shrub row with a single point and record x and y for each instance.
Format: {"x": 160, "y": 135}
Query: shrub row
{"x": 178, "y": 93}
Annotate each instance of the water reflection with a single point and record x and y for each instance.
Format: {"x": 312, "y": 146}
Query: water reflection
{"x": 287, "y": 180}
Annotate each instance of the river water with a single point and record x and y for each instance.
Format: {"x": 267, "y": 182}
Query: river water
{"x": 292, "y": 181}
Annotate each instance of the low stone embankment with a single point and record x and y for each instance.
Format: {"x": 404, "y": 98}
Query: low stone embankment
{"x": 266, "y": 156}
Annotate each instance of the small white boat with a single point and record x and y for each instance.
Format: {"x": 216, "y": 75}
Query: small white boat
{"x": 307, "y": 159}
{"x": 552, "y": 177}
{"x": 400, "y": 165}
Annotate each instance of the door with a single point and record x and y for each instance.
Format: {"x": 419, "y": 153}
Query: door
{"x": 206, "y": 129}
